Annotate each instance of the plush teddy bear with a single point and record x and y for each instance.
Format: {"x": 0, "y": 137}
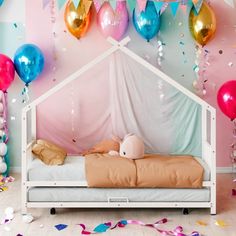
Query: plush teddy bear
{"x": 132, "y": 147}
{"x": 49, "y": 153}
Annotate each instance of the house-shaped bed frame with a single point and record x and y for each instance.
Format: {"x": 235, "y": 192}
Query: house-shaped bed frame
{"x": 29, "y": 134}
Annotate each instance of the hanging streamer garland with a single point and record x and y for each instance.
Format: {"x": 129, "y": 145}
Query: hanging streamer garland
{"x": 53, "y": 21}
{"x": 178, "y": 231}
{"x": 160, "y": 50}
{"x": 233, "y": 147}
{"x": 202, "y": 62}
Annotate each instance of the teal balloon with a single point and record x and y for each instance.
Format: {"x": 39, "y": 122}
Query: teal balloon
{"x": 147, "y": 23}
{"x": 29, "y": 62}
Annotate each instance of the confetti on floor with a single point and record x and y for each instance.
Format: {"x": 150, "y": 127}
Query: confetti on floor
{"x": 3, "y": 181}
{"x": 60, "y": 227}
{"x": 220, "y": 223}
{"x": 201, "y": 223}
{"x": 101, "y": 228}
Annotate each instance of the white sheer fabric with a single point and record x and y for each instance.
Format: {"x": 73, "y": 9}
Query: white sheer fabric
{"x": 120, "y": 96}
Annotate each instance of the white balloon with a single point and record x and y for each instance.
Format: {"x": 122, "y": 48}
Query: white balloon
{"x": 3, "y": 149}
{"x": 3, "y": 167}
{"x": 9, "y": 211}
{"x": 27, "y": 218}
{"x": 2, "y": 133}
{"x": 1, "y": 95}
{"x": 2, "y": 122}
{"x": 1, "y": 108}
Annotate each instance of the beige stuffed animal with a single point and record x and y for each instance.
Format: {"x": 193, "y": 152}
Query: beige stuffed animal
{"x": 132, "y": 147}
{"x": 49, "y": 153}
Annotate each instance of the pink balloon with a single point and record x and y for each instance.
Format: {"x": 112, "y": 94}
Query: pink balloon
{"x": 7, "y": 72}
{"x": 226, "y": 99}
{"x": 113, "y": 23}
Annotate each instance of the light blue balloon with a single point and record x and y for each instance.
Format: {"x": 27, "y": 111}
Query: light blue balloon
{"x": 147, "y": 23}
{"x": 29, "y": 62}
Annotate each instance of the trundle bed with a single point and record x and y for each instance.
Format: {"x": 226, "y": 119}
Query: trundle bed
{"x": 66, "y": 186}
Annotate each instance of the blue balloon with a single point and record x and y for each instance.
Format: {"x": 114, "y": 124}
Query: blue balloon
{"x": 147, "y": 23}
{"x": 29, "y": 62}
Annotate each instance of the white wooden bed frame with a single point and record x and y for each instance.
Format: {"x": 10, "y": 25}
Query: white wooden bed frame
{"x": 29, "y": 133}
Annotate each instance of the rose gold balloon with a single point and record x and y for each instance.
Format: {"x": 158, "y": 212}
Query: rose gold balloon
{"x": 78, "y": 19}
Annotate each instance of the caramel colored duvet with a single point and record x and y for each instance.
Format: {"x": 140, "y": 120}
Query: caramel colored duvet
{"x": 153, "y": 171}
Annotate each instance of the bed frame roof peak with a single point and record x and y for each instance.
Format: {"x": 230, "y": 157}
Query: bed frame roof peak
{"x": 115, "y": 47}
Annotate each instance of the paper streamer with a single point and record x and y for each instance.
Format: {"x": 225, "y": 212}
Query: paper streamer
{"x": 76, "y": 3}
{"x": 158, "y": 5}
{"x": 102, "y": 228}
{"x": 174, "y": 7}
{"x": 131, "y": 4}
{"x": 61, "y": 3}
{"x": 142, "y": 5}
{"x": 198, "y": 4}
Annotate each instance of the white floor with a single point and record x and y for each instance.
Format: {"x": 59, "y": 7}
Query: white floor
{"x": 226, "y": 206}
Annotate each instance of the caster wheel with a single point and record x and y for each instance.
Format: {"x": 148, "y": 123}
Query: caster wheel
{"x": 52, "y": 211}
{"x": 185, "y": 211}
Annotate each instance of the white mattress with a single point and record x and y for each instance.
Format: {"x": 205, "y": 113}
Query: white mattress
{"x": 73, "y": 169}
{"x": 102, "y": 195}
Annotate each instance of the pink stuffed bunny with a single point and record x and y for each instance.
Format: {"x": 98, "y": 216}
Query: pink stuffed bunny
{"x": 131, "y": 147}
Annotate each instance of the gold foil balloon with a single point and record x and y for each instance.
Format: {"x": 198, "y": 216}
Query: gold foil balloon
{"x": 78, "y": 19}
{"x": 203, "y": 24}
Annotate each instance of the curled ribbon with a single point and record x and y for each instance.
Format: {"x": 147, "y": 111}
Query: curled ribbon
{"x": 178, "y": 231}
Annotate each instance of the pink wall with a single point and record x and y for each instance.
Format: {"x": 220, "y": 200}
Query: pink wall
{"x": 72, "y": 54}
{"x": 219, "y": 72}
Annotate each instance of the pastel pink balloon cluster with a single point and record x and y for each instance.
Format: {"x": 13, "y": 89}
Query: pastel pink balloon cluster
{"x": 111, "y": 22}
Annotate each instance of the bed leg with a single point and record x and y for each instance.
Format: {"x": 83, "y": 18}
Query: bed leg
{"x": 24, "y": 209}
{"x": 213, "y": 209}
{"x": 185, "y": 211}
{"x": 52, "y": 211}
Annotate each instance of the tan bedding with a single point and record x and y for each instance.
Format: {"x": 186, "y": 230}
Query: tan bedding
{"x": 153, "y": 171}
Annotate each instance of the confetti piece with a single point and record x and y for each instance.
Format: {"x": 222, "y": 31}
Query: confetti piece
{"x": 19, "y": 235}
{"x": 41, "y": 226}
{"x": 13, "y": 100}
{"x": 180, "y": 23}
{"x": 15, "y": 25}
{"x": 181, "y": 43}
{"x": 201, "y": 223}
{"x": 196, "y": 68}
{"x": 60, "y": 227}
{"x": 102, "y": 228}
{"x": 220, "y": 223}
{"x": 220, "y": 51}
{"x": 13, "y": 118}
{"x": 230, "y": 64}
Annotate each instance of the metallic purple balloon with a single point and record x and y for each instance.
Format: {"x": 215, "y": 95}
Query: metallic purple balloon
{"x": 111, "y": 22}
